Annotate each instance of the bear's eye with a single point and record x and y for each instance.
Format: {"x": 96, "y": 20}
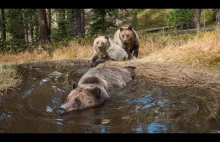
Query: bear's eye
{"x": 97, "y": 42}
{"x": 77, "y": 101}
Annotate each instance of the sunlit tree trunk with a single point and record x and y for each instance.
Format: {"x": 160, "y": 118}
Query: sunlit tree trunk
{"x": 197, "y": 15}
{"x": 43, "y": 27}
{"x": 79, "y": 21}
{"x": 82, "y": 23}
{"x": 49, "y": 21}
{"x": 3, "y": 29}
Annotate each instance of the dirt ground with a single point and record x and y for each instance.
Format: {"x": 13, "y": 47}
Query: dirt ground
{"x": 172, "y": 74}
{"x": 159, "y": 73}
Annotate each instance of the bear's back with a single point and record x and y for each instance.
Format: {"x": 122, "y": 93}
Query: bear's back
{"x": 112, "y": 77}
{"x": 116, "y": 52}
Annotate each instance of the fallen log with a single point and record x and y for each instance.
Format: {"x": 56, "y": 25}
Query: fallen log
{"x": 176, "y": 31}
{"x": 154, "y": 29}
{"x": 190, "y": 30}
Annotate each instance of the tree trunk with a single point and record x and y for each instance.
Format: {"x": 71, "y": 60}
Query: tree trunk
{"x": 77, "y": 21}
{"x": 32, "y": 29}
{"x": 43, "y": 28}
{"x": 103, "y": 14}
{"x": 70, "y": 16}
{"x": 26, "y": 28}
{"x": 3, "y": 29}
{"x": 197, "y": 14}
{"x": 19, "y": 34}
{"x": 49, "y": 21}
{"x": 26, "y": 32}
{"x": 82, "y": 22}
{"x": 61, "y": 20}
{"x": 32, "y": 34}
{"x": 218, "y": 19}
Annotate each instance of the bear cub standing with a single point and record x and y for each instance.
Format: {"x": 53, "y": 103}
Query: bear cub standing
{"x": 105, "y": 49}
{"x": 95, "y": 85}
{"x": 127, "y": 38}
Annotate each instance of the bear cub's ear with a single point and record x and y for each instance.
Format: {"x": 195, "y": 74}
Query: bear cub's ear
{"x": 74, "y": 85}
{"x": 95, "y": 36}
{"x": 130, "y": 28}
{"x": 97, "y": 93}
{"x": 107, "y": 37}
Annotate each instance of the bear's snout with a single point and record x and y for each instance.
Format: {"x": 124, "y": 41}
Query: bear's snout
{"x": 100, "y": 47}
{"x": 62, "y": 110}
{"x": 125, "y": 41}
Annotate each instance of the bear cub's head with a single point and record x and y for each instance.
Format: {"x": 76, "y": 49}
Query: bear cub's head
{"x": 126, "y": 34}
{"x": 101, "y": 44}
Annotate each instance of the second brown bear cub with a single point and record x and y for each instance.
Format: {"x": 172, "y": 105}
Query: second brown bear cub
{"x": 127, "y": 38}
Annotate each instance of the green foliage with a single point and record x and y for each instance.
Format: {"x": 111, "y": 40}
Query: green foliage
{"x": 17, "y": 21}
{"x": 14, "y": 25}
{"x": 61, "y": 32}
{"x": 104, "y": 21}
{"x": 134, "y": 20}
{"x": 152, "y": 18}
{"x": 83, "y": 40}
{"x": 208, "y": 17}
{"x": 180, "y": 17}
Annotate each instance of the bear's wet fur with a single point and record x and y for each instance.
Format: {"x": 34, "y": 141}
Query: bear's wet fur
{"x": 95, "y": 87}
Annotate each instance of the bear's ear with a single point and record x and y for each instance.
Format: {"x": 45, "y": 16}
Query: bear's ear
{"x": 74, "y": 85}
{"x": 97, "y": 93}
{"x": 95, "y": 36}
{"x": 130, "y": 28}
{"x": 107, "y": 37}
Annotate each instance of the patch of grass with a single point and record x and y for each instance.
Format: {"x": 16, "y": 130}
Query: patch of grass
{"x": 203, "y": 50}
{"x": 49, "y": 52}
{"x": 155, "y": 42}
{"x": 9, "y": 78}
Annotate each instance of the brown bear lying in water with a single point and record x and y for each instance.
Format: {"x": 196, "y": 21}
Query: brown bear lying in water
{"x": 94, "y": 86}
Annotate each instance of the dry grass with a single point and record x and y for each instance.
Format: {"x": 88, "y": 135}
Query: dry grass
{"x": 8, "y": 78}
{"x": 158, "y": 42}
{"x": 73, "y": 50}
{"x": 202, "y": 51}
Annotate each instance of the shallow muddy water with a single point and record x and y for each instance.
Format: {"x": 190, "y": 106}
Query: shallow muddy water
{"x": 138, "y": 108}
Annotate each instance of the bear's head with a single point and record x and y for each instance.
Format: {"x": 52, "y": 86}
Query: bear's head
{"x": 101, "y": 44}
{"x": 83, "y": 96}
{"x": 126, "y": 34}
